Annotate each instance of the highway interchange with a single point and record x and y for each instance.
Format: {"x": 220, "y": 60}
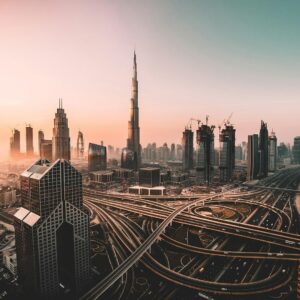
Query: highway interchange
{"x": 239, "y": 244}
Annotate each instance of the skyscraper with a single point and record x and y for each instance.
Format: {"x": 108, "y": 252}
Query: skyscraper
{"x": 133, "y": 141}
{"x": 61, "y": 136}
{"x": 272, "y": 152}
{"x": 263, "y": 151}
{"x": 41, "y": 136}
{"x": 296, "y": 150}
{"x": 227, "y": 153}
{"x": 187, "y": 149}
{"x": 15, "y": 144}
{"x": 97, "y": 157}
{"x": 52, "y": 231}
{"x": 80, "y": 145}
{"x": 205, "y": 153}
{"x": 29, "y": 140}
{"x": 252, "y": 157}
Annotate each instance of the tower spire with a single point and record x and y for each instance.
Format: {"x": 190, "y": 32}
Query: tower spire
{"x": 134, "y": 66}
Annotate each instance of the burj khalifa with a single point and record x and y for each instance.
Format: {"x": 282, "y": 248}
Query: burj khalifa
{"x": 131, "y": 156}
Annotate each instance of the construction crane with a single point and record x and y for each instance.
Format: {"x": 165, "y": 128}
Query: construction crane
{"x": 196, "y": 120}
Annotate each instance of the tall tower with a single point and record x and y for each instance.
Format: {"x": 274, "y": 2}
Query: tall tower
{"x": 52, "y": 231}
{"x": 188, "y": 149}
{"x": 29, "y": 140}
{"x": 252, "y": 157}
{"x": 133, "y": 141}
{"x": 80, "y": 145}
{"x": 272, "y": 152}
{"x": 205, "y": 153}
{"x": 41, "y": 137}
{"x": 227, "y": 153}
{"x": 61, "y": 135}
{"x": 263, "y": 150}
{"x": 15, "y": 143}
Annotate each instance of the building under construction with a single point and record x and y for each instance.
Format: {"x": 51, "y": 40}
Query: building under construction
{"x": 227, "y": 153}
{"x": 187, "y": 149}
{"x": 205, "y": 153}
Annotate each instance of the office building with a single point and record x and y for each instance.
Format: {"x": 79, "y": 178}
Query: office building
{"x": 205, "y": 154}
{"x": 252, "y": 157}
{"x": 149, "y": 176}
{"x": 46, "y": 150}
{"x": 97, "y": 157}
{"x": 29, "y": 140}
{"x": 187, "y": 149}
{"x": 296, "y": 150}
{"x": 133, "y": 141}
{"x": 52, "y": 231}
{"x": 80, "y": 145}
{"x": 227, "y": 153}
{"x": 41, "y": 136}
{"x": 263, "y": 148}
{"x": 15, "y": 143}
{"x": 61, "y": 136}
{"x": 272, "y": 152}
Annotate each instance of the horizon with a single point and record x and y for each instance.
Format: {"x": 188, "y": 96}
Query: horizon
{"x": 229, "y": 58}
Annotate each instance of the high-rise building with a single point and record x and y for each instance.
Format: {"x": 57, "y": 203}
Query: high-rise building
{"x": 46, "y": 149}
{"x": 272, "y": 152}
{"x": 29, "y": 140}
{"x": 149, "y": 176}
{"x": 133, "y": 141}
{"x": 41, "y": 136}
{"x": 128, "y": 159}
{"x": 97, "y": 157}
{"x": 205, "y": 153}
{"x": 61, "y": 136}
{"x": 244, "y": 147}
{"x": 227, "y": 153}
{"x": 252, "y": 157}
{"x": 263, "y": 151}
{"x": 80, "y": 145}
{"x": 15, "y": 143}
{"x": 172, "y": 152}
{"x": 296, "y": 150}
{"x": 52, "y": 231}
{"x": 187, "y": 149}
{"x": 238, "y": 152}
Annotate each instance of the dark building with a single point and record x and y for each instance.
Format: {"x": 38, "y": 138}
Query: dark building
{"x": 205, "y": 153}
{"x": 41, "y": 136}
{"x": 29, "y": 140}
{"x": 15, "y": 143}
{"x": 296, "y": 150}
{"x": 61, "y": 136}
{"x": 46, "y": 149}
{"x": 187, "y": 149}
{"x": 97, "y": 157}
{"x": 52, "y": 231}
{"x": 239, "y": 152}
{"x": 133, "y": 141}
{"x": 263, "y": 151}
{"x": 227, "y": 153}
{"x": 272, "y": 152}
{"x": 80, "y": 145}
{"x": 128, "y": 159}
{"x": 252, "y": 157}
{"x": 149, "y": 176}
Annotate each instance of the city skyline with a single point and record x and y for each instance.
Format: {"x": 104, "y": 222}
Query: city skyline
{"x": 181, "y": 76}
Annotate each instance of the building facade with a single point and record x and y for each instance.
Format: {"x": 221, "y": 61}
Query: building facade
{"x": 52, "y": 231}
{"x": 252, "y": 157}
{"x": 205, "y": 154}
{"x": 263, "y": 150}
{"x": 15, "y": 143}
{"x": 272, "y": 152}
{"x": 133, "y": 141}
{"x": 227, "y": 153}
{"x": 61, "y": 136}
{"x": 97, "y": 157}
{"x": 187, "y": 149}
{"x": 29, "y": 140}
{"x": 296, "y": 150}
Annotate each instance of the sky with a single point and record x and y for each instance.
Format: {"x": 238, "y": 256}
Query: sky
{"x": 195, "y": 58}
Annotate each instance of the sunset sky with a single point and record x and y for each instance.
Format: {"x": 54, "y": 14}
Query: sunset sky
{"x": 194, "y": 58}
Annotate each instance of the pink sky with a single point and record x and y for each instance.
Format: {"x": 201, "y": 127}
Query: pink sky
{"x": 82, "y": 51}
